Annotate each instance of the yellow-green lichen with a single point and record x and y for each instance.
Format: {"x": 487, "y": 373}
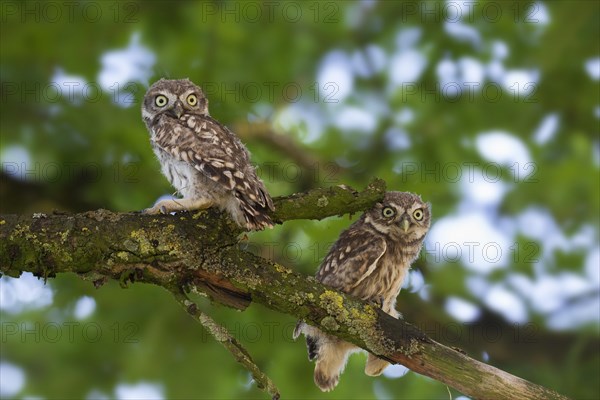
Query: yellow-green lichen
{"x": 64, "y": 235}
{"x": 364, "y": 323}
{"x": 281, "y": 269}
{"x": 198, "y": 214}
{"x": 361, "y": 320}
{"x": 300, "y": 298}
{"x": 413, "y": 348}
{"x": 131, "y": 245}
{"x": 334, "y": 304}
{"x": 169, "y": 228}
{"x": 20, "y": 231}
{"x": 330, "y": 324}
{"x": 322, "y": 201}
{"x": 141, "y": 237}
{"x": 51, "y": 248}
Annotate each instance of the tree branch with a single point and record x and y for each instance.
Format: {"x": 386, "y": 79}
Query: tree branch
{"x": 201, "y": 251}
{"x": 284, "y": 143}
{"x": 327, "y": 202}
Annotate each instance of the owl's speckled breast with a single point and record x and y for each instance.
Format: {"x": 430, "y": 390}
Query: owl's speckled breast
{"x": 188, "y": 182}
{"x": 386, "y": 281}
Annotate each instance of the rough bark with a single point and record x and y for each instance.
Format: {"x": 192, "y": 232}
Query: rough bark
{"x": 201, "y": 252}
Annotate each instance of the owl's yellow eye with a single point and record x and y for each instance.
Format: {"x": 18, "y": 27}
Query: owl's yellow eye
{"x": 161, "y": 100}
{"x": 192, "y": 100}
{"x": 388, "y": 212}
{"x": 418, "y": 214}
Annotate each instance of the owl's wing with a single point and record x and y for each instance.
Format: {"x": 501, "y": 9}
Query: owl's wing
{"x": 351, "y": 259}
{"x": 214, "y": 151}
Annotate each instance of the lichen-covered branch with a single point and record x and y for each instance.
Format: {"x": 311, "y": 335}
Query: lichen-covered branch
{"x": 201, "y": 252}
{"x": 326, "y": 202}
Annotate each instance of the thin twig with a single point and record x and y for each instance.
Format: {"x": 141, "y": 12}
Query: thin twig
{"x": 284, "y": 143}
{"x": 222, "y": 336}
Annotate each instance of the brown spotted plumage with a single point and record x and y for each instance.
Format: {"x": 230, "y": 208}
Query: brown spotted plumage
{"x": 203, "y": 160}
{"x": 369, "y": 261}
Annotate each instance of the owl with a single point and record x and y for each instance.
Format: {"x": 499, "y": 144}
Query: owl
{"x": 206, "y": 163}
{"x": 369, "y": 261}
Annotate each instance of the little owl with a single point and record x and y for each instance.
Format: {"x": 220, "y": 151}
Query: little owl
{"x": 369, "y": 261}
{"x": 203, "y": 160}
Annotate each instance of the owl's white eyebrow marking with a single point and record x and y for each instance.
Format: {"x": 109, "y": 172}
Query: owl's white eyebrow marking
{"x": 185, "y": 94}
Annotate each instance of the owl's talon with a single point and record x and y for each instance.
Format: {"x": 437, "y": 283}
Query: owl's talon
{"x": 377, "y": 302}
{"x": 150, "y": 211}
{"x": 157, "y": 209}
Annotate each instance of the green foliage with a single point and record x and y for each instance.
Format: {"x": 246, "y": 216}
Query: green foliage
{"x": 88, "y": 152}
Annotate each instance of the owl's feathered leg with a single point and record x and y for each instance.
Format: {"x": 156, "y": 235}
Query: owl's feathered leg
{"x": 168, "y": 206}
{"x": 330, "y": 353}
{"x": 375, "y": 365}
{"x": 331, "y": 361}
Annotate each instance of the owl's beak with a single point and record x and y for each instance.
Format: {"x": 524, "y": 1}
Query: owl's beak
{"x": 177, "y": 110}
{"x": 405, "y": 223}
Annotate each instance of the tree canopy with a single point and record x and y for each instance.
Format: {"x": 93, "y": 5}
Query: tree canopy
{"x": 488, "y": 110}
